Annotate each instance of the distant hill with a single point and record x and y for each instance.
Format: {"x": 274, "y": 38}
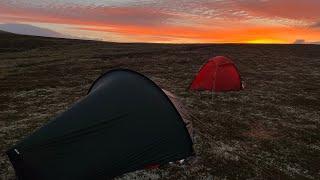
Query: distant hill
{"x": 25, "y": 29}
{"x": 15, "y": 42}
{"x": 4, "y": 32}
{"x": 12, "y": 42}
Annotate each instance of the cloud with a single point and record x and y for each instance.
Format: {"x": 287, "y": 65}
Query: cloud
{"x": 302, "y": 41}
{"x": 315, "y": 25}
{"x": 173, "y": 20}
{"x": 299, "y": 41}
{"x": 103, "y": 15}
{"x": 291, "y": 9}
{"x": 156, "y": 13}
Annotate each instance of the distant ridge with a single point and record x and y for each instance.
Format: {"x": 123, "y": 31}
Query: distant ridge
{"x": 26, "y": 29}
{"x": 4, "y": 32}
{"x": 12, "y": 42}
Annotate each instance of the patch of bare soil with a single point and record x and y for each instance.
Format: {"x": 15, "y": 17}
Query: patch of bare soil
{"x": 259, "y": 131}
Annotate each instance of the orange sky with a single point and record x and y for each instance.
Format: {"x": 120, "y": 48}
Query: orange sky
{"x": 172, "y": 21}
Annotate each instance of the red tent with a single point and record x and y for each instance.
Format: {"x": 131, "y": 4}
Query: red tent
{"x": 218, "y": 74}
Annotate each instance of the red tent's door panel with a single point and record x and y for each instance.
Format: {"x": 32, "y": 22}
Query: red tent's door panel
{"x": 227, "y": 78}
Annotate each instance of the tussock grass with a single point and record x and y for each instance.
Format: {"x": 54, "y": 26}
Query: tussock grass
{"x": 268, "y": 131}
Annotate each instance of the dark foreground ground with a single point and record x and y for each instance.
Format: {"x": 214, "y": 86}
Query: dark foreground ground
{"x": 271, "y": 130}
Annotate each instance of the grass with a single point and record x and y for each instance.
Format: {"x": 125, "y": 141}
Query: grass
{"x": 270, "y": 130}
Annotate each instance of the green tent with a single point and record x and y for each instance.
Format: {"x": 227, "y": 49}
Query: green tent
{"x": 126, "y": 122}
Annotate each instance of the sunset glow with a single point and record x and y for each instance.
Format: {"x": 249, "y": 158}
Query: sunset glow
{"x": 172, "y": 21}
{"x": 266, "y": 41}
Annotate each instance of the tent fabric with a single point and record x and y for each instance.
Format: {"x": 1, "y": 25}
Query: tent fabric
{"x": 183, "y": 111}
{"x": 125, "y": 123}
{"x": 218, "y": 74}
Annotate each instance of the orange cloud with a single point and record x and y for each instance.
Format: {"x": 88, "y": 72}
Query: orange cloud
{"x": 189, "y": 34}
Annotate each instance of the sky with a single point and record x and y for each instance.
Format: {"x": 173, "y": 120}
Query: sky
{"x": 172, "y": 21}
